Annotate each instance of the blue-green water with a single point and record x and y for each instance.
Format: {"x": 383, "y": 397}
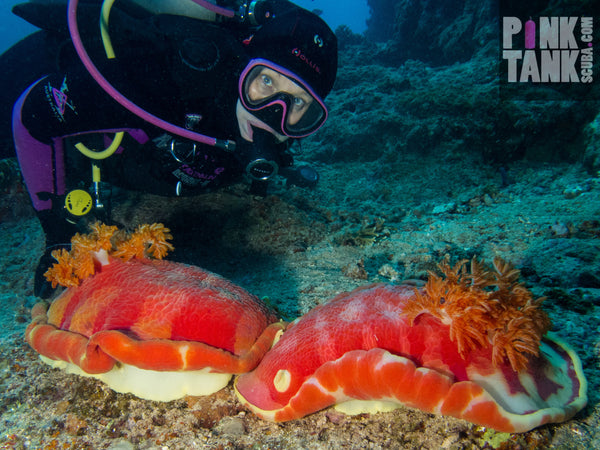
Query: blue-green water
{"x": 421, "y": 159}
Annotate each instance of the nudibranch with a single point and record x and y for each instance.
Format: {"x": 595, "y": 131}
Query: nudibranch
{"x": 470, "y": 344}
{"x": 141, "y": 324}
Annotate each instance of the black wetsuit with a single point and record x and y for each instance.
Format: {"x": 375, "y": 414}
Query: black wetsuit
{"x": 176, "y": 68}
{"x": 182, "y": 70}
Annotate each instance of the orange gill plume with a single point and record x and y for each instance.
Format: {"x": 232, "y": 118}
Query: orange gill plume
{"x": 484, "y": 307}
{"x": 147, "y": 241}
{"x": 77, "y": 264}
{"x": 92, "y": 249}
{"x": 63, "y": 270}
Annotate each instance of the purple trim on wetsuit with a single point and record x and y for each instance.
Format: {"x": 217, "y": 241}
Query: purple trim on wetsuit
{"x": 214, "y": 8}
{"x": 139, "y": 135}
{"x": 43, "y": 165}
{"x": 35, "y": 157}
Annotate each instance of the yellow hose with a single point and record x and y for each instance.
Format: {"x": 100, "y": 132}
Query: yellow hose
{"x": 108, "y": 48}
{"x": 96, "y": 178}
{"x": 103, "y": 154}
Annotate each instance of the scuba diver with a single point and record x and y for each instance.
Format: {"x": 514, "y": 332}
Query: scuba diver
{"x": 172, "y": 97}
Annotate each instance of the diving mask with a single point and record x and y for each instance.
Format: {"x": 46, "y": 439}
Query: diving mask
{"x": 280, "y": 99}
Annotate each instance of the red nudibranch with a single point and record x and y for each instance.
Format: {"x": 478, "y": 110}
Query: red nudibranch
{"x": 469, "y": 345}
{"x": 151, "y": 327}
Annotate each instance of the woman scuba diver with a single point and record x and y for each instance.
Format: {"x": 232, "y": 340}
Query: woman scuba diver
{"x": 194, "y": 101}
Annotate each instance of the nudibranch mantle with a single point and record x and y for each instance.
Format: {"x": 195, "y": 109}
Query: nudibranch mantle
{"x": 382, "y": 343}
{"x": 155, "y": 328}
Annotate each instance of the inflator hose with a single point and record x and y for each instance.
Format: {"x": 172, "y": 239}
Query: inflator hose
{"x": 124, "y": 101}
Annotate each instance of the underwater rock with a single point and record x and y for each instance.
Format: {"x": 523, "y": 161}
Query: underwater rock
{"x": 591, "y": 157}
{"x": 416, "y": 31}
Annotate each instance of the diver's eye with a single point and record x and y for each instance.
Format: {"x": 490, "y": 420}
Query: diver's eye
{"x": 298, "y": 102}
{"x": 267, "y": 80}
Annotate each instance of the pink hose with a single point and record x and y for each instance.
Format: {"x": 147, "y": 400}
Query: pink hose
{"x": 125, "y": 102}
{"x": 214, "y": 8}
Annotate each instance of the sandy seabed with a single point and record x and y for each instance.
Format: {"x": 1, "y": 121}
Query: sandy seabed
{"x": 300, "y": 248}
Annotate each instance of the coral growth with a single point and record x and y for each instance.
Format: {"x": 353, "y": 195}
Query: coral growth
{"x": 484, "y": 307}
{"x": 88, "y": 250}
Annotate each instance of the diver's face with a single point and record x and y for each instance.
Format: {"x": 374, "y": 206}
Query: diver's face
{"x": 280, "y": 100}
{"x": 269, "y": 82}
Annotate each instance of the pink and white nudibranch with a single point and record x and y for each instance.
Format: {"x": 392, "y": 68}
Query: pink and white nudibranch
{"x": 469, "y": 345}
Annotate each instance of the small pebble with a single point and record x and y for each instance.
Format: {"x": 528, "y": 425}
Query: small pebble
{"x": 488, "y": 200}
{"x": 231, "y": 426}
{"x": 121, "y": 445}
{"x": 572, "y": 192}
{"x": 446, "y": 208}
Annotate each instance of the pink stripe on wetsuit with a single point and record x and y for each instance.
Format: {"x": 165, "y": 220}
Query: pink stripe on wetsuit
{"x": 43, "y": 170}
{"x": 43, "y": 164}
